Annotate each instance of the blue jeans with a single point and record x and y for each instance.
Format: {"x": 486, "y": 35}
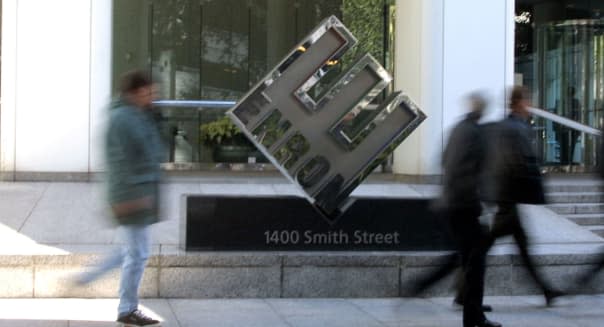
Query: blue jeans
{"x": 132, "y": 257}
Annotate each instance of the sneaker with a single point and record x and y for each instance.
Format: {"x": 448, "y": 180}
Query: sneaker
{"x": 137, "y": 318}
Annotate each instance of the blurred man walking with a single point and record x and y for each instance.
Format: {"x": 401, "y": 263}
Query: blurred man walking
{"x": 133, "y": 173}
{"x": 515, "y": 178}
{"x": 462, "y": 162}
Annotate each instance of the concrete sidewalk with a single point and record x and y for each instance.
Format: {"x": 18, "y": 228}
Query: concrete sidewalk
{"x": 518, "y": 311}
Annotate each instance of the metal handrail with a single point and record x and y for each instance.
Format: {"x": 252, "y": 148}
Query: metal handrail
{"x": 228, "y": 104}
{"x": 565, "y": 121}
{"x": 194, "y": 103}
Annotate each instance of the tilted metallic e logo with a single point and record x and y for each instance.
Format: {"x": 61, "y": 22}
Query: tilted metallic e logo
{"x": 330, "y": 144}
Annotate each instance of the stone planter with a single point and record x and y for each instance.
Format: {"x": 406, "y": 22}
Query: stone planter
{"x": 236, "y": 154}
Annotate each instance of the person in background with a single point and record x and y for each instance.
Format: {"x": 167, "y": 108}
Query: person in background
{"x": 133, "y": 153}
{"x": 566, "y": 137}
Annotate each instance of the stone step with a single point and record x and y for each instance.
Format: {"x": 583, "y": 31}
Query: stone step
{"x": 597, "y": 229}
{"x": 172, "y": 273}
{"x": 595, "y": 186}
{"x": 587, "y": 219}
{"x": 575, "y": 197}
{"x": 576, "y": 208}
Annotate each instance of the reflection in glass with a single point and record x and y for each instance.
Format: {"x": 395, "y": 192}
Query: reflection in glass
{"x": 131, "y": 46}
{"x": 292, "y": 150}
{"x": 175, "y": 49}
{"x": 252, "y": 106}
{"x": 354, "y": 127}
{"x": 312, "y": 171}
{"x": 316, "y": 87}
{"x": 219, "y": 49}
{"x": 414, "y": 117}
{"x": 271, "y": 129}
{"x": 366, "y": 64}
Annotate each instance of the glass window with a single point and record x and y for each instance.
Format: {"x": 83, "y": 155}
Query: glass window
{"x": 219, "y": 49}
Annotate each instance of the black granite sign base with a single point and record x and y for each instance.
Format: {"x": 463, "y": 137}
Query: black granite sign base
{"x": 284, "y": 223}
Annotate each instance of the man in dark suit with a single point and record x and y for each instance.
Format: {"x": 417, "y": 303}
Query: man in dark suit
{"x": 462, "y": 162}
{"x": 515, "y": 178}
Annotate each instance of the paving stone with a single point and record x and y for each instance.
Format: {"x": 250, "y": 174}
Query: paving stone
{"x": 18, "y": 201}
{"x": 311, "y": 281}
{"x": 407, "y": 310}
{"x": 61, "y": 217}
{"x": 517, "y": 311}
{"x": 226, "y": 313}
{"x": 322, "y": 312}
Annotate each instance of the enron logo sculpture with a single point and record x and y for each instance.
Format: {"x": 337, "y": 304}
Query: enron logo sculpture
{"x": 327, "y": 145}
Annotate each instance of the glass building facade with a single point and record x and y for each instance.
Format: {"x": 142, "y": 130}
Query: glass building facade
{"x": 216, "y": 50}
{"x": 559, "y": 55}
{"x": 219, "y": 49}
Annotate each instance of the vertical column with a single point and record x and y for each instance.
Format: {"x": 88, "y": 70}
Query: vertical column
{"x": 52, "y": 86}
{"x": 443, "y": 53}
{"x": 419, "y": 73}
{"x": 100, "y": 78}
{"x": 9, "y": 84}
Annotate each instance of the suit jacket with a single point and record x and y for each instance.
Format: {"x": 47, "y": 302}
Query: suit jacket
{"x": 462, "y": 162}
{"x": 513, "y": 173}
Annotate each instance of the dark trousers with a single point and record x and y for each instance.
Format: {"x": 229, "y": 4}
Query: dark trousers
{"x": 507, "y": 222}
{"x": 471, "y": 241}
{"x": 470, "y": 238}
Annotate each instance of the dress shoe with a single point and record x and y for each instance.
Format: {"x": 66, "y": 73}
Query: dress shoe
{"x": 550, "y": 295}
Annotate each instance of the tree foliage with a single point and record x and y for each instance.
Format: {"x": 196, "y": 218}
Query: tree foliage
{"x": 365, "y": 20}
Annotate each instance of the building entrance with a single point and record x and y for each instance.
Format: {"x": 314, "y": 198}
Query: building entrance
{"x": 570, "y": 80}
{"x": 559, "y": 55}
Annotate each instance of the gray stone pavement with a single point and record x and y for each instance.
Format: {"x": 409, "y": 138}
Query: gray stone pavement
{"x": 517, "y": 311}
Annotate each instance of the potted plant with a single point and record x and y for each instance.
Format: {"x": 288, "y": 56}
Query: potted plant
{"x": 227, "y": 141}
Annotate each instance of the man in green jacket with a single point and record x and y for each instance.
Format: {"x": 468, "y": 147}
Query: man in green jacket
{"x": 133, "y": 151}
